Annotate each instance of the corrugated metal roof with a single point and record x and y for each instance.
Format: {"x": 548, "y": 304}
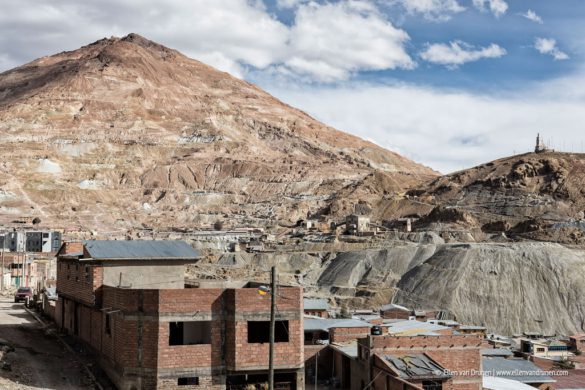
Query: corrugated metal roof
{"x": 140, "y": 250}
{"x": 413, "y": 328}
{"x": 492, "y": 383}
{"x": 496, "y": 352}
{"x": 315, "y": 304}
{"x": 349, "y": 349}
{"x": 416, "y": 366}
{"x": 472, "y": 327}
{"x": 325, "y": 324}
{"x": 366, "y": 317}
{"x": 515, "y": 369}
{"x": 393, "y": 306}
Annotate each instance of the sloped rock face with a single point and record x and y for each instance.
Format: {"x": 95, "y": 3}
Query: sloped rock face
{"x": 374, "y": 267}
{"x": 512, "y": 195}
{"x": 126, "y": 133}
{"x": 509, "y": 288}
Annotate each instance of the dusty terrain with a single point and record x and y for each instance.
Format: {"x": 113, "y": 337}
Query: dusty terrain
{"x": 38, "y": 361}
{"x": 126, "y": 133}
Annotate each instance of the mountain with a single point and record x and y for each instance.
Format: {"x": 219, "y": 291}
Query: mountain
{"x": 535, "y": 196}
{"x": 125, "y": 133}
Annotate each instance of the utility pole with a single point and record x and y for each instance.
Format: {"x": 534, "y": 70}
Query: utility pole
{"x": 22, "y": 270}
{"x": 316, "y": 370}
{"x": 2, "y": 270}
{"x": 272, "y": 327}
{"x": 26, "y": 272}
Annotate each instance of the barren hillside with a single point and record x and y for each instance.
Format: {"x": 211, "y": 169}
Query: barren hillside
{"x": 126, "y": 133}
{"x": 537, "y": 196}
{"x": 510, "y": 289}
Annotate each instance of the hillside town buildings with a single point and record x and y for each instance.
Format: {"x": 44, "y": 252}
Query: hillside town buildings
{"x": 129, "y": 303}
{"x": 39, "y": 241}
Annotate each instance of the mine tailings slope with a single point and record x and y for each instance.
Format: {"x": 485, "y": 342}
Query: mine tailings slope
{"x": 509, "y": 288}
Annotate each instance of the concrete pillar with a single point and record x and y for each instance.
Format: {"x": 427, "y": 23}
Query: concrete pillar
{"x": 300, "y": 374}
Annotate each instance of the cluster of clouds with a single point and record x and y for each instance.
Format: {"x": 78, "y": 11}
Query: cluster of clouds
{"x": 437, "y": 10}
{"x": 451, "y": 130}
{"x": 549, "y": 46}
{"x": 442, "y": 10}
{"x": 324, "y": 42}
{"x": 497, "y": 7}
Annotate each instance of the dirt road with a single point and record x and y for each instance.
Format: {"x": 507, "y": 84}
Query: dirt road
{"x": 39, "y": 361}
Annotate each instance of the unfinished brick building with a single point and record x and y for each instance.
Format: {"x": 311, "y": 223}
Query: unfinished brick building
{"x": 438, "y": 362}
{"x": 430, "y": 358}
{"x": 127, "y": 300}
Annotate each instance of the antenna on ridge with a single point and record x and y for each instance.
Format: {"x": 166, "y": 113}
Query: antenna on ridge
{"x": 540, "y": 146}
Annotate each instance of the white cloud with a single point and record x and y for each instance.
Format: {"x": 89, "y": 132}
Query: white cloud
{"x": 531, "y": 15}
{"x": 327, "y": 42}
{"x": 497, "y": 7}
{"x": 457, "y": 53}
{"x": 439, "y": 10}
{"x": 219, "y": 30}
{"x": 450, "y": 130}
{"x": 290, "y": 3}
{"x": 330, "y": 41}
{"x": 549, "y": 46}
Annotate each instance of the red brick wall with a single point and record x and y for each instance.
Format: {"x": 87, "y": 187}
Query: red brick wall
{"x": 246, "y": 304}
{"x": 71, "y": 247}
{"x": 190, "y": 300}
{"x": 318, "y": 313}
{"x": 78, "y": 281}
{"x": 59, "y": 313}
{"x": 343, "y": 335}
{"x": 395, "y": 314}
{"x": 85, "y": 325}
{"x": 138, "y": 329}
{"x": 96, "y": 329}
{"x": 208, "y": 306}
{"x": 68, "y": 308}
{"x": 455, "y": 353}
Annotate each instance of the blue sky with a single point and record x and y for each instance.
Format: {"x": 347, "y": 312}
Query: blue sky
{"x": 449, "y": 83}
{"x": 512, "y": 31}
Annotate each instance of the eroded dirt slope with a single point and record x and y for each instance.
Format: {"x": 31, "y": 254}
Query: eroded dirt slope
{"x": 125, "y": 132}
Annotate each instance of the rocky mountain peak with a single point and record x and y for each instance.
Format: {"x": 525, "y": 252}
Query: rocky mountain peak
{"x": 129, "y": 127}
